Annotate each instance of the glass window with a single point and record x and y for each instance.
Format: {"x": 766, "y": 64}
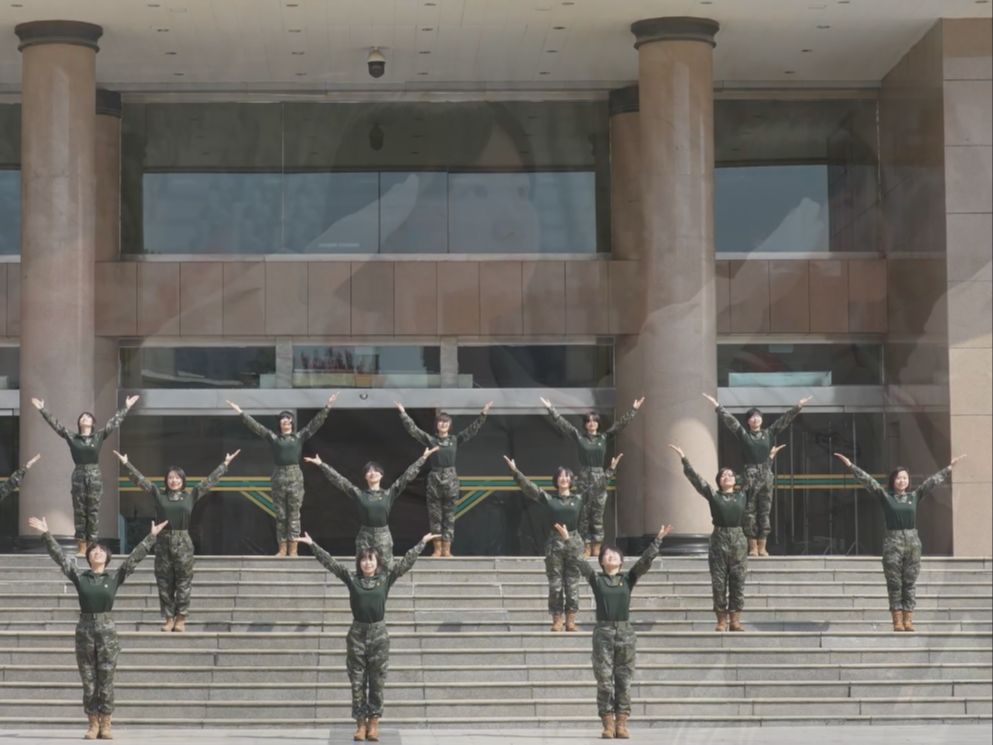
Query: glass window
{"x": 536, "y": 366}
{"x": 10, "y": 368}
{"x": 9, "y": 462}
{"x": 10, "y": 179}
{"x": 366, "y": 367}
{"x": 776, "y": 365}
{"x": 798, "y": 176}
{"x": 198, "y": 367}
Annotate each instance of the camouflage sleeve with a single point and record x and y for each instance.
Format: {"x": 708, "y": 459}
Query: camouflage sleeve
{"x": 731, "y": 421}
{"x": 644, "y": 563}
{"x": 871, "y": 485}
{"x": 59, "y": 557}
{"x": 702, "y": 487}
{"x": 55, "y": 424}
{"x": 528, "y": 487}
{"x": 588, "y": 572}
{"x": 113, "y": 423}
{"x": 414, "y": 431}
{"x": 330, "y": 563}
{"x": 12, "y": 483}
{"x": 139, "y": 480}
{"x": 134, "y": 559}
{"x": 397, "y": 487}
{"x": 203, "y": 488}
{"x": 264, "y": 432}
{"x": 472, "y": 430}
{"x": 405, "y": 564}
{"x": 561, "y": 424}
{"x": 781, "y": 424}
{"x": 351, "y": 491}
{"x": 618, "y": 426}
{"x": 932, "y": 482}
{"x": 315, "y": 424}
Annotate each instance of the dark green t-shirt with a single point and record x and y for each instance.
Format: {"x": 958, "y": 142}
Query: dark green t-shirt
{"x": 756, "y": 446}
{"x": 448, "y": 447}
{"x": 287, "y": 450}
{"x": 592, "y": 448}
{"x": 97, "y": 591}
{"x": 613, "y": 593}
{"x": 900, "y": 510}
{"x": 564, "y": 510}
{"x": 373, "y": 505}
{"x": 727, "y": 509}
{"x": 85, "y": 449}
{"x": 176, "y": 507}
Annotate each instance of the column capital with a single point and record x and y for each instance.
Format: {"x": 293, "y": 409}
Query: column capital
{"x": 58, "y": 32}
{"x": 108, "y": 103}
{"x": 623, "y": 100}
{"x": 675, "y": 28}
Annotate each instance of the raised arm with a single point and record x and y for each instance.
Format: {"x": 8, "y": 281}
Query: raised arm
{"x": 351, "y": 490}
{"x": 54, "y": 423}
{"x": 13, "y": 481}
{"x": 336, "y": 568}
{"x": 528, "y": 487}
{"x": 397, "y": 487}
{"x": 115, "y": 421}
{"x": 411, "y": 427}
{"x": 400, "y": 568}
{"x": 559, "y": 421}
{"x": 203, "y": 488}
{"x": 644, "y": 562}
{"x": 319, "y": 418}
{"x": 934, "y": 480}
{"x": 731, "y": 421}
{"x": 55, "y": 551}
{"x": 577, "y": 562}
{"x": 473, "y": 429}
{"x": 871, "y": 485}
{"x": 137, "y": 477}
{"x": 625, "y": 420}
{"x": 140, "y": 552}
{"x": 699, "y": 483}
{"x": 786, "y": 419}
{"x": 257, "y": 429}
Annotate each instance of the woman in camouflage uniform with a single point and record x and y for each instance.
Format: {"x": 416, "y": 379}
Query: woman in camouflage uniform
{"x": 287, "y": 478}
{"x": 367, "y": 655}
{"x": 373, "y": 503}
{"x": 756, "y": 444}
{"x": 614, "y": 640}
{"x": 97, "y": 647}
{"x": 87, "y": 481}
{"x": 174, "y": 547}
{"x": 901, "y": 544}
{"x": 564, "y": 508}
{"x": 591, "y": 481}
{"x": 443, "y": 480}
{"x": 728, "y": 553}
{"x": 13, "y": 481}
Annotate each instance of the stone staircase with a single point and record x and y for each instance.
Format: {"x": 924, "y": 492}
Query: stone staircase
{"x": 470, "y": 647}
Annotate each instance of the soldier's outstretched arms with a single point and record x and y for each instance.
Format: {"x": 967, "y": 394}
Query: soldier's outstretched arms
{"x": 326, "y": 559}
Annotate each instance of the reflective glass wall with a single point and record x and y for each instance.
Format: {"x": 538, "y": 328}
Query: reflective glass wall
{"x": 10, "y": 179}
{"x": 475, "y": 177}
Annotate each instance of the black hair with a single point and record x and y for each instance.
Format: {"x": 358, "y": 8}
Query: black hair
{"x": 373, "y": 466}
{"x": 286, "y": 415}
{"x": 90, "y": 415}
{"x": 591, "y": 416}
{"x": 179, "y": 472}
{"x": 604, "y": 549}
{"x": 720, "y": 472}
{"x": 365, "y": 553}
{"x": 558, "y": 472}
{"x": 752, "y": 412}
{"x": 442, "y": 416}
{"x": 93, "y": 547}
{"x": 894, "y": 473}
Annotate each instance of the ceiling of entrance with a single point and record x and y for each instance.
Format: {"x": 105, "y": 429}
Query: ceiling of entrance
{"x": 321, "y": 45}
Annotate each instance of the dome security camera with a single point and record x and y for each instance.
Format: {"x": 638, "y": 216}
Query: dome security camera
{"x": 376, "y": 62}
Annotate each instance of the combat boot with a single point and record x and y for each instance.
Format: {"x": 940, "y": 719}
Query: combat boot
{"x": 291, "y": 548}
{"x": 760, "y": 545}
{"x": 722, "y": 620}
{"x": 94, "y": 728}
{"x": 587, "y": 549}
{"x": 898, "y": 620}
{"x": 282, "y": 549}
{"x": 570, "y": 621}
{"x": 180, "y": 624}
{"x": 608, "y": 727}
{"x": 908, "y": 620}
{"x": 446, "y": 549}
{"x": 595, "y": 549}
{"x": 105, "y": 730}
{"x": 753, "y": 547}
{"x": 168, "y": 623}
{"x": 372, "y": 729}
{"x": 359, "y": 735}
{"x": 734, "y": 618}
{"x": 621, "y": 727}
{"x": 80, "y": 547}
{"x": 438, "y": 547}
{"x": 557, "y": 622}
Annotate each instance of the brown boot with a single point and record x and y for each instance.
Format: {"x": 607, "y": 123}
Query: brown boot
{"x": 180, "y": 624}
{"x": 436, "y": 548}
{"x": 621, "y": 727}
{"x": 291, "y": 548}
{"x": 908, "y": 620}
{"x": 570, "y": 621}
{"x": 753, "y": 547}
{"x": 588, "y": 551}
{"x": 760, "y": 545}
{"x": 557, "y": 622}
{"x": 722, "y": 620}
{"x": 105, "y": 731}
{"x": 446, "y": 549}
{"x": 80, "y": 547}
{"x": 372, "y": 729}
{"x": 734, "y": 618}
{"x": 168, "y": 623}
{"x": 94, "y": 728}
{"x": 282, "y": 549}
{"x": 608, "y": 727}
{"x": 359, "y": 730}
{"x": 595, "y": 549}
{"x": 898, "y": 620}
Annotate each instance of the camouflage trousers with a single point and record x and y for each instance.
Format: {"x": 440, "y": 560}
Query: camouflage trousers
{"x": 287, "y": 498}
{"x": 96, "y": 656}
{"x": 380, "y": 538}
{"x": 592, "y": 484}
{"x": 563, "y": 577}
{"x": 174, "y": 572}
{"x": 86, "y": 490}
{"x": 759, "y": 482}
{"x": 443, "y": 491}
{"x": 367, "y": 658}
{"x": 728, "y": 560}
{"x": 614, "y": 646}
{"x": 901, "y": 566}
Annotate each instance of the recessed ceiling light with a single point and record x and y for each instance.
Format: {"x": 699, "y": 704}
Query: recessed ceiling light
{"x": 551, "y": 51}
{"x": 150, "y": 5}
{"x": 544, "y": 72}
{"x": 292, "y": 5}
{"x": 558, "y": 28}
{"x": 301, "y": 74}
{"x": 179, "y": 74}
{"x": 823, "y": 26}
{"x": 295, "y": 30}
{"x": 162, "y": 30}
{"x": 790, "y": 72}
{"x": 806, "y": 51}
{"x": 422, "y": 73}
{"x": 568, "y": 2}
{"x": 297, "y": 54}
{"x": 424, "y": 51}
{"x": 428, "y": 28}
{"x": 171, "y": 54}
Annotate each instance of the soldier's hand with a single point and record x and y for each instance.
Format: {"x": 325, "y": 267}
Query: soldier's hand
{"x": 39, "y": 403}
{"x": 121, "y": 457}
{"x": 678, "y": 450}
{"x": 510, "y": 461}
{"x": 315, "y": 459}
{"x": 664, "y": 531}
{"x": 546, "y": 402}
{"x": 561, "y": 530}
{"x": 774, "y": 451}
{"x": 305, "y": 538}
{"x": 32, "y": 461}
{"x": 234, "y": 406}
{"x": 956, "y": 459}
{"x": 430, "y": 537}
{"x": 803, "y": 401}
{"x": 156, "y": 529}
{"x": 615, "y": 460}
{"x": 400, "y": 407}
{"x": 638, "y": 402}
{"x": 429, "y": 451}
{"x": 131, "y": 401}
{"x": 231, "y": 456}
{"x": 487, "y": 407}
{"x": 843, "y": 459}
{"x": 332, "y": 398}
{"x": 39, "y": 524}
{"x": 711, "y": 399}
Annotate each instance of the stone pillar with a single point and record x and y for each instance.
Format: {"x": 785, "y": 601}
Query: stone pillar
{"x": 108, "y": 248}
{"x": 57, "y": 251}
{"x": 679, "y": 337}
